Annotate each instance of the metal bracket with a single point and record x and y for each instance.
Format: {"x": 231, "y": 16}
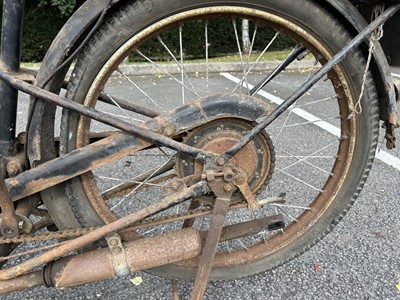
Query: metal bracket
{"x": 118, "y": 255}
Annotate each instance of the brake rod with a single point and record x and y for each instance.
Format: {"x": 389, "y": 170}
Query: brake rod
{"x": 104, "y": 118}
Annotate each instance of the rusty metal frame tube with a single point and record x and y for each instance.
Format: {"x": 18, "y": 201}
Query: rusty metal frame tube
{"x": 102, "y": 117}
{"x": 337, "y": 58}
{"x": 73, "y": 164}
{"x": 11, "y": 33}
{"x": 27, "y": 266}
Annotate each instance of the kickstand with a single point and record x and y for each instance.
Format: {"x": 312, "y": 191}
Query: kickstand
{"x": 220, "y": 210}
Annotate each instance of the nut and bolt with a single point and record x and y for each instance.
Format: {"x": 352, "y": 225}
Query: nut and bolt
{"x": 175, "y": 185}
{"x": 253, "y": 206}
{"x": 113, "y": 242}
{"x": 228, "y": 187}
{"x": 221, "y": 161}
{"x": 21, "y": 138}
{"x": 169, "y": 131}
{"x": 13, "y": 168}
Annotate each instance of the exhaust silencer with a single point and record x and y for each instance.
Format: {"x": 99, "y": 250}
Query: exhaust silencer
{"x": 116, "y": 260}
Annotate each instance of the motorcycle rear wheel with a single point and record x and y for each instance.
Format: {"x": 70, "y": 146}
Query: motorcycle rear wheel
{"x": 338, "y": 163}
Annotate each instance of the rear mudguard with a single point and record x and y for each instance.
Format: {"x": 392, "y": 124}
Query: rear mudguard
{"x": 84, "y": 18}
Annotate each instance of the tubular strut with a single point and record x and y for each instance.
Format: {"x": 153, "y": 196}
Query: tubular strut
{"x": 340, "y": 56}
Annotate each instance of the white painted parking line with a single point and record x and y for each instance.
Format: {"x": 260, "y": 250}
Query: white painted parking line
{"x": 382, "y": 155}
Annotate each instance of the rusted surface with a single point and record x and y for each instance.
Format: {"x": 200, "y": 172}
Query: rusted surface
{"x": 27, "y": 266}
{"x": 256, "y": 160}
{"x": 73, "y": 164}
{"x": 129, "y": 105}
{"x": 211, "y": 108}
{"x": 140, "y": 255}
{"x": 97, "y": 265}
{"x": 390, "y": 135}
{"x": 118, "y": 255}
{"x": 220, "y": 210}
{"x": 241, "y": 183}
{"x": 235, "y": 231}
{"x": 105, "y": 118}
{"x": 9, "y": 220}
{"x": 21, "y": 283}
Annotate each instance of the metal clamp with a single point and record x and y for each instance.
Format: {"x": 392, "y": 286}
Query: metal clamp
{"x": 118, "y": 255}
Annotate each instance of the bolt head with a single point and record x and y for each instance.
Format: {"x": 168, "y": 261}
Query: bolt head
{"x": 169, "y": 131}
{"x": 221, "y": 161}
{"x": 228, "y": 188}
{"x": 113, "y": 242}
{"x": 12, "y": 168}
{"x": 175, "y": 185}
{"x": 117, "y": 250}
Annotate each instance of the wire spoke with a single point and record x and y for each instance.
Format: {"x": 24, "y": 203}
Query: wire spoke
{"x": 304, "y": 123}
{"x": 299, "y": 180}
{"x": 167, "y": 73}
{"x": 317, "y": 101}
{"x": 307, "y": 156}
{"x": 287, "y": 213}
{"x": 304, "y": 160}
{"x": 126, "y": 116}
{"x": 180, "y": 64}
{"x": 207, "y": 57}
{"x": 240, "y": 83}
{"x": 140, "y": 90}
{"x": 181, "y": 54}
{"x": 139, "y": 186}
{"x": 240, "y": 53}
{"x": 291, "y": 206}
{"x": 129, "y": 180}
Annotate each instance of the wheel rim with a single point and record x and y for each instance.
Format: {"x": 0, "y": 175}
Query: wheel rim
{"x": 335, "y": 173}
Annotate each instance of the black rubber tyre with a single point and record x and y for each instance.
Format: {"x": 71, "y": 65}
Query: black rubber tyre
{"x": 306, "y": 22}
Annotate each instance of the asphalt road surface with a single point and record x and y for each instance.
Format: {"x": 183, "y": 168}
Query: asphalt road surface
{"x": 358, "y": 260}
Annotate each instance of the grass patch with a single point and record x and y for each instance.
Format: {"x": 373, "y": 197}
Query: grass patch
{"x": 30, "y": 65}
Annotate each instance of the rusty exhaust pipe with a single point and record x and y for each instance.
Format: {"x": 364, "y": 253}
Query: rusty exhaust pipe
{"x": 115, "y": 261}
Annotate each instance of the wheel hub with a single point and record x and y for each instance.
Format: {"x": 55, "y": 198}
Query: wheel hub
{"x": 256, "y": 159}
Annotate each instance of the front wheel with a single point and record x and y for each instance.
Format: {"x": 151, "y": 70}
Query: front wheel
{"x": 318, "y": 153}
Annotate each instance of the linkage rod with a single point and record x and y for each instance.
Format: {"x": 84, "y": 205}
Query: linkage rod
{"x": 340, "y": 56}
{"x": 29, "y": 265}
